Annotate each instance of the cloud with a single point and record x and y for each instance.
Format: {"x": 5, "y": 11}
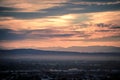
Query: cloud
{"x": 110, "y": 17}
{"x": 64, "y": 38}
{"x": 5, "y": 9}
{"x": 41, "y": 23}
{"x": 115, "y": 27}
{"x": 68, "y": 26}
{"x": 84, "y": 8}
{"x": 8, "y": 34}
{"x": 39, "y": 9}
{"x": 23, "y": 15}
{"x": 31, "y": 5}
{"x": 72, "y": 21}
{"x": 105, "y": 30}
{"x": 115, "y": 38}
{"x": 105, "y": 39}
{"x": 95, "y": 2}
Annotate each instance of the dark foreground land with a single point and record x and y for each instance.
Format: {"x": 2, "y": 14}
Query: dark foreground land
{"x": 60, "y": 70}
{"x": 58, "y": 66}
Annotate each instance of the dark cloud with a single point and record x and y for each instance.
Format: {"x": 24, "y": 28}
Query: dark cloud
{"x": 103, "y": 25}
{"x": 111, "y": 27}
{"x": 115, "y": 27}
{"x": 95, "y": 0}
{"x": 2, "y": 9}
{"x": 22, "y": 15}
{"x": 66, "y": 8}
{"x": 108, "y": 30}
{"x": 84, "y": 35}
{"x": 95, "y": 8}
{"x": 81, "y": 34}
{"x": 8, "y": 34}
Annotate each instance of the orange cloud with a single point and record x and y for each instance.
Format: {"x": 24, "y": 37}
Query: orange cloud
{"x": 36, "y": 44}
{"x": 65, "y": 24}
{"x": 40, "y": 23}
{"x": 31, "y": 5}
{"x": 105, "y": 17}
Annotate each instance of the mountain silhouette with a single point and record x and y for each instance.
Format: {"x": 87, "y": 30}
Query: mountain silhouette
{"x": 33, "y": 54}
{"x": 86, "y": 49}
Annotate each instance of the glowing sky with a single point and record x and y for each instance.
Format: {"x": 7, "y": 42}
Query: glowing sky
{"x": 59, "y": 23}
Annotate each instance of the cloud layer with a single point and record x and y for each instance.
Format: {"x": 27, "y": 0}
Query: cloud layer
{"x": 72, "y": 22}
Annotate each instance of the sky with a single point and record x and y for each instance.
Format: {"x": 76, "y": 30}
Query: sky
{"x": 59, "y": 23}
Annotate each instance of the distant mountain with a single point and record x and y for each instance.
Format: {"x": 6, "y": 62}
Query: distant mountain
{"x": 33, "y": 54}
{"x": 87, "y": 49}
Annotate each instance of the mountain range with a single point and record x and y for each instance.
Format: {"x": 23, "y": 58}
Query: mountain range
{"x": 88, "y": 49}
{"x": 71, "y": 53}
